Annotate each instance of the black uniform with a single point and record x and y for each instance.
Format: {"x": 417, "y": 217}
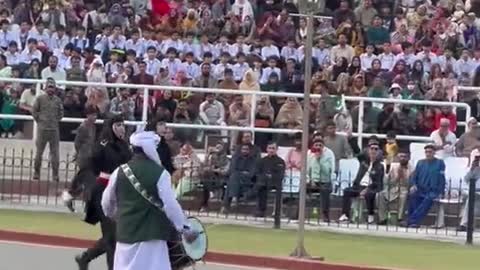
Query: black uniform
{"x": 270, "y": 173}
{"x": 107, "y": 157}
{"x": 165, "y": 155}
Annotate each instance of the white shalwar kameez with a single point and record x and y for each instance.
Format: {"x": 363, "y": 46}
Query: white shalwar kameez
{"x": 146, "y": 255}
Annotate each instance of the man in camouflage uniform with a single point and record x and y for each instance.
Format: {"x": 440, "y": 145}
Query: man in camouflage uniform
{"x": 47, "y": 112}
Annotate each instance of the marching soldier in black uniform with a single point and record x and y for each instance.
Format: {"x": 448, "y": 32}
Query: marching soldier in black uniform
{"x": 112, "y": 151}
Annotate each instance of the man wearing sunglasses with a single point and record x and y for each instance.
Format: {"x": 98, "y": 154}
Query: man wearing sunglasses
{"x": 368, "y": 182}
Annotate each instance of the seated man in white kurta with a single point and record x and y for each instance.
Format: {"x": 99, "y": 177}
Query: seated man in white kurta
{"x": 142, "y": 228}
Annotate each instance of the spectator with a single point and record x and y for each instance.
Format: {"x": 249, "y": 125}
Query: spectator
{"x": 394, "y": 195}
{"x": 343, "y": 13}
{"x": 113, "y": 68}
{"x": 183, "y": 116}
{"x": 249, "y": 83}
{"x": 320, "y": 171}
{"x": 153, "y": 64}
{"x": 343, "y": 120}
{"x": 469, "y": 141}
{"x": 138, "y": 101}
{"x": 12, "y": 57}
{"x": 290, "y": 115}
{"x": 28, "y": 97}
{"x": 187, "y": 170}
{"x": 96, "y": 72}
{"x": 242, "y": 171}
{"x": 206, "y": 79}
{"x": 365, "y": 13}
{"x": 391, "y": 149}
{"x": 446, "y": 113}
{"x": 355, "y": 67}
{"x": 358, "y": 87}
{"x": 264, "y": 117}
{"x": 47, "y": 112}
{"x": 167, "y": 103}
{"x": 386, "y": 118}
{"x": 341, "y": 50}
{"x": 73, "y": 106}
{"x": 269, "y": 173}
{"x": 367, "y": 183}
{"x": 327, "y": 107}
{"x": 30, "y": 52}
{"x": 239, "y": 114}
{"x": 337, "y": 143}
{"x": 378, "y": 90}
{"x": 173, "y": 144}
{"x": 76, "y": 72}
{"x": 377, "y": 34}
{"x": 403, "y": 120}
{"x": 212, "y": 111}
{"x": 123, "y": 105}
{"x": 427, "y": 184}
{"x": 214, "y": 173}
{"x": 9, "y": 105}
{"x": 472, "y": 175}
{"x": 375, "y": 72}
{"x": 444, "y": 140}
{"x": 163, "y": 148}
{"x": 293, "y": 161}
{"x": 228, "y": 83}
{"x": 98, "y": 97}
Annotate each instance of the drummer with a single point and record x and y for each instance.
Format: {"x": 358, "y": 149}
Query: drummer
{"x": 142, "y": 229}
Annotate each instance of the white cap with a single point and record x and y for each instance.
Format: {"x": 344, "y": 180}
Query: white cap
{"x": 148, "y": 141}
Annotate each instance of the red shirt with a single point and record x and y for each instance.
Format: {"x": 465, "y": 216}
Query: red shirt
{"x": 451, "y": 117}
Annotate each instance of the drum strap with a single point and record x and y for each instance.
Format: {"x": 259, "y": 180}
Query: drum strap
{"x": 139, "y": 188}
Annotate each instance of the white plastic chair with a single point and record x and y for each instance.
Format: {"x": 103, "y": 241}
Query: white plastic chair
{"x": 417, "y": 152}
{"x": 456, "y": 168}
{"x": 283, "y": 152}
{"x": 347, "y": 171}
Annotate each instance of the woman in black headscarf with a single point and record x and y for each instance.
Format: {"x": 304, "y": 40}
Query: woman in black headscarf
{"x": 340, "y": 67}
{"x": 112, "y": 151}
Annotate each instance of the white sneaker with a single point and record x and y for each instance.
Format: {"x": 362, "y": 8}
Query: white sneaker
{"x": 370, "y": 219}
{"x": 68, "y": 200}
{"x": 343, "y": 218}
{"x": 66, "y": 197}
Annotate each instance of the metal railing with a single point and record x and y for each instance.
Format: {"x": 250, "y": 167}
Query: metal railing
{"x": 17, "y": 187}
{"x": 146, "y": 88}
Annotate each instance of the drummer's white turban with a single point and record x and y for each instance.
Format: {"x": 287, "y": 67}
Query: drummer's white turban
{"x": 148, "y": 141}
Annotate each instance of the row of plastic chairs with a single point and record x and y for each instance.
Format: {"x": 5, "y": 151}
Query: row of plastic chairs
{"x": 456, "y": 169}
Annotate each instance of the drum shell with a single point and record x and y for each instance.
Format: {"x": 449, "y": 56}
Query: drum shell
{"x": 178, "y": 257}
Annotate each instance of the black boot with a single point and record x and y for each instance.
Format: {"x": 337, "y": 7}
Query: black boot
{"x": 82, "y": 261}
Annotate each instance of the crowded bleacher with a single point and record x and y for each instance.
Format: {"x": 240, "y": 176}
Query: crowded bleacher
{"x": 413, "y": 50}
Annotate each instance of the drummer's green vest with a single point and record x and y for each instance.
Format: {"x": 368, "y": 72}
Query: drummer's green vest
{"x": 137, "y": 219}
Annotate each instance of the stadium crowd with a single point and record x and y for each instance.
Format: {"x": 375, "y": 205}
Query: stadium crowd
{"x": 418, "y": 50}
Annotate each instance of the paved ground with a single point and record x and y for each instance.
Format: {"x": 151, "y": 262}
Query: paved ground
{"x": 17, "y": 256}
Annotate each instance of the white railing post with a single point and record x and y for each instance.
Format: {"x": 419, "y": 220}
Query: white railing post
{"x": 468, "y": 114}
{"x": 361, "y": 108}
{"x": 38, "y": 88}
{"x": 145, "y": 105}
{"x": 252, "y": 113}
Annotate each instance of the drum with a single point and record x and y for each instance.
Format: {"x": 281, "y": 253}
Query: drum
{"x": 183, "y": 254}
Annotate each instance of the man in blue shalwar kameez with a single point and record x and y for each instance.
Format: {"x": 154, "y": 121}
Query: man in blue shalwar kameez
{"x": 427, "y": 184}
